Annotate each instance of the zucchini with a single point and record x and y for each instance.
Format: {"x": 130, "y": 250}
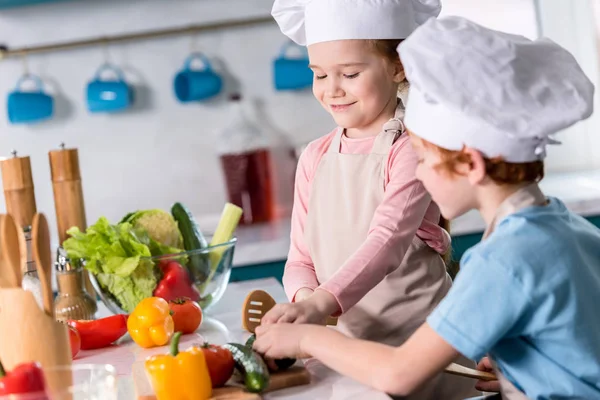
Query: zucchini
{"x": 251, "y": 366}
{"x": 282, "y": 363}
{"x": 193, "y": 239}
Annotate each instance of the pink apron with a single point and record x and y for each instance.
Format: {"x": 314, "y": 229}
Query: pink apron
{"x": 346, "y": 190}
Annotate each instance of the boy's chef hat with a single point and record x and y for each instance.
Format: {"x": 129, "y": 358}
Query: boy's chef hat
{"x": 312, "y": 21}
{"x": 499, "y": 93}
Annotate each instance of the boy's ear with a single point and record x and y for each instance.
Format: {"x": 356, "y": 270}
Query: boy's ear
{"x": 476, "y": 169}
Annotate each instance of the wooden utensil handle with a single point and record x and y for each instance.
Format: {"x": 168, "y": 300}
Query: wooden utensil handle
{"x": 457, "y": 369}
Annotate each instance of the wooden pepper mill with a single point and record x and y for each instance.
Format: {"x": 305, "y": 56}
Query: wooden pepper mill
{"x": 19, "y": 194}
{"x": 68, "y": 196}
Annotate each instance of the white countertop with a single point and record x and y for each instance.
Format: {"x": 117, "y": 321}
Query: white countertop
{"x": 222, "y": 324}
{"x": 270, "y": 242}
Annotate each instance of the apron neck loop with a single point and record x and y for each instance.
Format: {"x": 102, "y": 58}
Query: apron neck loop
{"x": 392, "y": 130}
{"x": 528, "y": 196}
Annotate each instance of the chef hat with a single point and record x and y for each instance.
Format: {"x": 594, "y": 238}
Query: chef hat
{"x": 499, "y": 93}
{"x": 313, "y": 21}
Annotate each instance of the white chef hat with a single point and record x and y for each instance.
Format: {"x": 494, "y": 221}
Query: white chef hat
{"x": 499, "y": 93}
{"x": 313, "y": 21}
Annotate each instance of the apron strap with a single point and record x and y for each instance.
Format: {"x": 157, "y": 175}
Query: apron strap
{"x": 392, "y": 130}
{"x": 334, "y": 147}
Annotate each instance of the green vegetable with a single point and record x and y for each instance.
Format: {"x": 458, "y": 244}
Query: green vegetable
{"x": 251, "y": 366}
{"x": 192, "y": 240}
{"x": 118, "y": 255}
{"x": 160, "y": 225}
{"x": 282, "y": 364}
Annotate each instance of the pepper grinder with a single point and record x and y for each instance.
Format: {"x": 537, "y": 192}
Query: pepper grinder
{"x": 19, "y": 194}
{"x": 73, "y": 301}
{"x": 68, "y": 197}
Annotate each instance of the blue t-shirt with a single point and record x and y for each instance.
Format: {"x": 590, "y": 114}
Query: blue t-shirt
{"x": 529, "y": 296}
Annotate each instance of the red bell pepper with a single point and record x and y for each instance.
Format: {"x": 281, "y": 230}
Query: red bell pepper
{"x": 99, "y": 333}
{"x": 24, "y": 378}
{"x": 176, "y": 283}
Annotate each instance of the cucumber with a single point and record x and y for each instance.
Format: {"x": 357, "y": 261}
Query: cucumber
{"x": 282, "y": 364}
{"x": 251, "y": 366}
{"x": 193, "y": 239}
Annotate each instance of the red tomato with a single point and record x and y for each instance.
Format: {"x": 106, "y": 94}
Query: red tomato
{"x": 74, "y": 340}
{"x": 220, "y": 364}
{"x": 187, "y": 315}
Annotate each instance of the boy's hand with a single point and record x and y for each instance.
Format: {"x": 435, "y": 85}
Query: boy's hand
{"x": 487, "y": 386}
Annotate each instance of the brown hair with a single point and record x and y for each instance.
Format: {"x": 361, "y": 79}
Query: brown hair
{"x": 386, "y": 48}
{"x": 496, "y": 168}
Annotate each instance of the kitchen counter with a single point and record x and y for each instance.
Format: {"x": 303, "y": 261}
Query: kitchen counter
{"x": 270, "y": 242}
{"x": 221, "y": 325}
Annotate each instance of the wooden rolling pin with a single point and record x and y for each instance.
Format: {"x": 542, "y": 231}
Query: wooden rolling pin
{"x": 68, "y": 196}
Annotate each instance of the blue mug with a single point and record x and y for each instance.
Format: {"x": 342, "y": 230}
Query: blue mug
{"x": 104, "y": 95}
{"x": 292, "y": 73}
{"x": 196, "y": 85}
{"x": 29, "y": 106}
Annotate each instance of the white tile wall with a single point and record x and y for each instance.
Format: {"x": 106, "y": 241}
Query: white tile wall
{"x": 163, "y": 151}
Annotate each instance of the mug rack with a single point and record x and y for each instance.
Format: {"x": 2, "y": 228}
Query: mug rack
{"x": 7, "y": 52}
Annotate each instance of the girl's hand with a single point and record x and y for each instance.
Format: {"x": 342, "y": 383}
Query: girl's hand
{"x": 487, "y": 386}
{"x": 282, "y": 340}
{"x": 314, "y": 310}
{"x": 303, "y": 294}
{"x": 303, "y": 312}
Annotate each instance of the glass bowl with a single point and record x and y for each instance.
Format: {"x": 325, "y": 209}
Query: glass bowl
{"x": 209, "y": 269}
{"x": 89, "y": 382}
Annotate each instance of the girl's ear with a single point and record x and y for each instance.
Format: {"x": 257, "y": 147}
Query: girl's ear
{"x": 476, "y": 169}
{"x": 399, "y": 75}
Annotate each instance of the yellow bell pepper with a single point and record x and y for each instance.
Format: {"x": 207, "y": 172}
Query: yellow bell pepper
{"x": 179, "y": 376}
{"x": 150, "y": 324}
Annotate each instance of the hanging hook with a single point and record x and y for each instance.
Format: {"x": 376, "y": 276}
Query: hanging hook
{"x": 25, "y": 63}
{"x": 105, "y": 50}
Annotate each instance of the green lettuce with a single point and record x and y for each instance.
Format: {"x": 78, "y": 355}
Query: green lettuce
{"x": 118, "y": 255}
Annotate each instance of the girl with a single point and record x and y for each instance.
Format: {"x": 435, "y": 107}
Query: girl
{"x": 482, "y": 107}
{"x": 366, "y": 242}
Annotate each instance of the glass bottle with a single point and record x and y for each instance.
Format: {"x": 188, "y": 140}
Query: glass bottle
{"x": 246, "y": 162}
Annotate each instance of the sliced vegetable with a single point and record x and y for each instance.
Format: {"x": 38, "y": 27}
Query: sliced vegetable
{"x": 96, "y": 334}
{"x": 274, "y": 365}
{"x": 193, "y": 239}
{"x": 175, "y": 283}
{"x": 179, "y": 375}
{"x": 186, "y": 314}
{"x": 230, "y": 218}
{"x": 251, "y": 366}
{"x": 74, "y": 341}
{"x": 220, "y": 364}
{"x": 150, "y": 324}
{"x": 24, "y": 378}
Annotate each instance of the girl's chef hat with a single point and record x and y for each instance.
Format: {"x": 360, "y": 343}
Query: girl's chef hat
{"x": 502, "y": 94}
{"x": 313, "y": 21}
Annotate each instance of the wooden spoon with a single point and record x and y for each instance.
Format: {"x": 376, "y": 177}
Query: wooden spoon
{"x": 40, "y": 237}
{"x": 11, "y": 257}
{"x": 259, "y": 302}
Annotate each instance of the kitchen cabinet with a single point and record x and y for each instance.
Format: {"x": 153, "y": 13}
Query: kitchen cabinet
{"x": 274, "y": 269}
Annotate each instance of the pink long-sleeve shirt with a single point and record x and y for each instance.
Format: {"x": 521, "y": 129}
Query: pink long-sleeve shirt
{"x": 406, "y": 210}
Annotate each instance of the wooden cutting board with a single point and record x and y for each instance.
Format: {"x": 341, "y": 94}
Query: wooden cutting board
{"x": 295, "y": 376}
